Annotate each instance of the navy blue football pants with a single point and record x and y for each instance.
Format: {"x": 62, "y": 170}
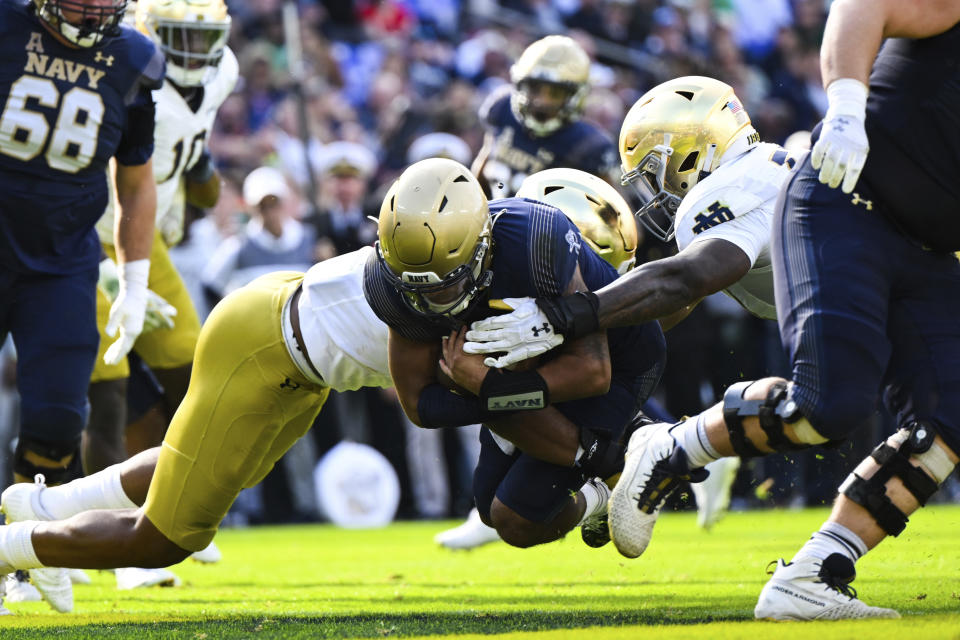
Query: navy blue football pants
{"x": 865, "y": 312}
{"x": 53, "y": 323}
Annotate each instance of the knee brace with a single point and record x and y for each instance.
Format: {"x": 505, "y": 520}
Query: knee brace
{"x": 915, "y": 443}
{"x": 66, "y": 458}
{"x": 773, "y": 411}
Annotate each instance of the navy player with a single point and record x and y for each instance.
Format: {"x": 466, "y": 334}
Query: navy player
{"x": 75, "y": 91}
{"x": 447, "y": 257}
{"x": 534, "y": 123}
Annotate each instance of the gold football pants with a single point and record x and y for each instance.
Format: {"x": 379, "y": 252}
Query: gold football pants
{"x": 246, "y": 405}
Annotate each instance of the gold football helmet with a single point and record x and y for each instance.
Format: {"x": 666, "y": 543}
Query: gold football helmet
{"x": 675, "y": 135}
{"x": 191, "y": 33}
{"x": 82, "y": 22}
{"x": 434, "y": 237}
{"x": 550, "y": 84}
{"x": 604, "y": 218}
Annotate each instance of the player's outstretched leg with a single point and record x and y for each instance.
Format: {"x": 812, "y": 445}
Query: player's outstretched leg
{"x": 655, "y": 467}
{"x": 811, "y": 589}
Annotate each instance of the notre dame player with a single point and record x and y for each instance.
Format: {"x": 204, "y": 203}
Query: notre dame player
{"x": 201, "y": 73}
{"x": 534, "y": 123}
{"x": 446, "y": 257}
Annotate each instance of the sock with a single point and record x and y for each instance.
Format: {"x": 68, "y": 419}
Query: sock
{"x": 595, "y": 495}
{"x": 691, "y": 436}
{"x": 16, "y": 545}
{"x": 833, "y": 537}
{"x": 101, "y": 490}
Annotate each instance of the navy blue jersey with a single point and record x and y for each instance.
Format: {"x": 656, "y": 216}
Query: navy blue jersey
{"x": 65, "y": 113}
{"x": 913, "y": 126}
{"x": 516, "y": 153}
{"x": 536, "y": 250}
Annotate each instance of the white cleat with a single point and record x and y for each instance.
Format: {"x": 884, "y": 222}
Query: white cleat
{"x": 713, "y": 494}
{"x": 78, "y": 576}
{"x": 210, "y": 554}
{"x": 19, "y": 589}
{"x": 20, "y": 501}
{"x": 137, "y": 578}
{"x": 471, "y": 534}
{"x": 55, "y": 587}
{"x": 811, "y": 589}
{"x": 655, "y": 466}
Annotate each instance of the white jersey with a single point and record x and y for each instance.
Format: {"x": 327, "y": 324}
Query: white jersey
{"x": 736, "y": 203}
{"x": 179, "y": 137}
{"x": 346, "y": 341}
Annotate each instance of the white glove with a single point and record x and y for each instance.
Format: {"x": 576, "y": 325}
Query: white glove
{"x": 128, "y": 310}
{"x": 159, "y": 313}
{"x": 841, "y": 150}
{"x": 523, "y": 333}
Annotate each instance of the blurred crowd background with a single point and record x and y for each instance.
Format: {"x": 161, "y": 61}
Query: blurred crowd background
{"x": 379, "y": 80}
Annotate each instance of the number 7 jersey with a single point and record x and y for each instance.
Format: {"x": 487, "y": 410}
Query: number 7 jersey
{"x": 180, "y": 136}
{"x": 65, "y": 113}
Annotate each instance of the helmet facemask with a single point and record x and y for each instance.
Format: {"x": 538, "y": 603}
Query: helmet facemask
{"x": 649, "y": 179}
{"x": 91, "y": 25}
{"x": 193, "y": 49}
{"x": 531, "y": 92}
{"x": 450, "y": 296}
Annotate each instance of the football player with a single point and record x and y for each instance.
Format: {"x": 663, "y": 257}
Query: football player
{"x": 696, "y": 163}
{"x": 303, "y": 334}
{"x": 534, "y": 123}
{"x": 201, "y": 73}
{"x": 76, "y": 91}
{"x": 443, "y": 261}
{"x": 607, "y": 226}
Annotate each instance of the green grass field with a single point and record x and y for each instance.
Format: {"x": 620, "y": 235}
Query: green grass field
{"x": 323, "y": 582}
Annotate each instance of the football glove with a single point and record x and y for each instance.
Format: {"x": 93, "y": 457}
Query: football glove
{"x": 841, "y": 150}
{"x": 159, "y": 313}
{"x": 128, "y": 310}
{"x": 523, "y": 333}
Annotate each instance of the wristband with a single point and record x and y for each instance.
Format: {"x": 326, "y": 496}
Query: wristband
{"x": 846, "y": 97}
{"x": 135, "y": 274}
{"x": 504, "y": 390}
{"x": 439, "y": 407}
{"x": 572, "y": 316}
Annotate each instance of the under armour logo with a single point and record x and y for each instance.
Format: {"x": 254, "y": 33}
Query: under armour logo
{"x": 289, "y": 384}
{"x": 108, "y": 60}
{"x": 858, "y": 200}
{"x": 545, "y": 328}
{"x": 840, "y": 123}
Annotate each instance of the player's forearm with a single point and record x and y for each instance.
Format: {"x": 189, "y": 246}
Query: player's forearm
{"x": 851, "y": 39}
{"x": 649, "y": 292}
{"x": 133, "y": 230}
